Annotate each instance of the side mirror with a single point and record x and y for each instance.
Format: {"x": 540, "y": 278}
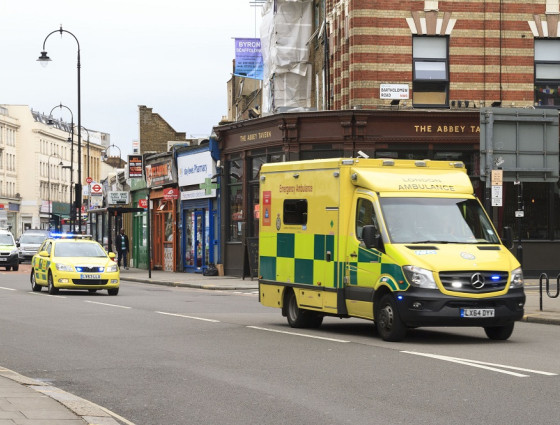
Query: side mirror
{"x": 43, "y": 254}
{"x": 112, "y": 256}
{"x": 507, "y": 237}
{"x": 17, "y": 244}
{"x": 372, "y": 238}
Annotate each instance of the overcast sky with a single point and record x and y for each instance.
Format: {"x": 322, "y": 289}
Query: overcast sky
{"x": 174, "y": 56}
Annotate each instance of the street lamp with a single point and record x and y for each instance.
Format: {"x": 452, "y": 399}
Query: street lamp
{"x": 44, "y": 60}
{"x": 71, "y": 140}
{"x": 49, "y": 184}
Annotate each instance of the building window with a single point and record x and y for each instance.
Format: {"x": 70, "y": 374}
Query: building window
{"x": 236, "y": 217}
{"x": 430, "y": 69}
{"x": 547, "y": 73}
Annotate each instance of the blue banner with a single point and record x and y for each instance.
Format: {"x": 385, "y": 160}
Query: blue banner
{"x": 248, "y": 58}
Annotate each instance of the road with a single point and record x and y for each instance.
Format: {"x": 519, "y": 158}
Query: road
{"x": 162, "y": 355}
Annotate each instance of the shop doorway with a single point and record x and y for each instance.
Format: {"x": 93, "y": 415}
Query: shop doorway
{"x": 196, "y": 239}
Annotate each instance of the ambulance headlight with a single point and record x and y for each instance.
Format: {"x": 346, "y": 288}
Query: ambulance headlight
{"x": 516, "y": 279}
{"x": 419, "y": 277}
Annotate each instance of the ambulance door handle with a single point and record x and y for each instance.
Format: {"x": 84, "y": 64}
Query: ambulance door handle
{"x": 329, "y": 256}
{"x": 353, "y": 255}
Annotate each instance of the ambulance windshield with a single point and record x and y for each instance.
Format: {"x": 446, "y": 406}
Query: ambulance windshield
{"x": 437, "y": 220}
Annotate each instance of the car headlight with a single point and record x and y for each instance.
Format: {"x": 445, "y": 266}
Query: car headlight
{"x": 419, "y": 277}
{"x": 64, "y": 267}
{"x": 113, "y": 268}
{"x": 516, "y": 280}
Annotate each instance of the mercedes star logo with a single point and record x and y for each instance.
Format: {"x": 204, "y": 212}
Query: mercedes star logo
{"x": 477, "y": 281}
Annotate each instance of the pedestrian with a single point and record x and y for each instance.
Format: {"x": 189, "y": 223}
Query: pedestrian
{"x": 122, "y": 249}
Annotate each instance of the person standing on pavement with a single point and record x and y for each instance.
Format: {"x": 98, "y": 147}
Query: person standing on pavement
{"x": 122, "y": 248}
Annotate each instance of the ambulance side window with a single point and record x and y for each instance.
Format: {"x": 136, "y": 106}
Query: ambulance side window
{"x": 48, "y": 247}
{"x": 295, "y": 211}
{"x": 365, "y": 215}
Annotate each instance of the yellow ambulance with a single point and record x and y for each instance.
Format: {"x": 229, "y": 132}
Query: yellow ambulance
{"x": 401, "y": 242}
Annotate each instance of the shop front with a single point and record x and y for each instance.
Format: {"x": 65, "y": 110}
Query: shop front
{"x": 139, "y": 249}
{"x": 452, "y": 135}
{"x": 161, "y": 180}
{"x": 198, "y": 182}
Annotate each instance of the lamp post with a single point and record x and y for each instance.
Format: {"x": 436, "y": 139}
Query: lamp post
{"x": 49, "y": 183}
{"x": 71, "y": 140}
{"x": 44, "y": 60}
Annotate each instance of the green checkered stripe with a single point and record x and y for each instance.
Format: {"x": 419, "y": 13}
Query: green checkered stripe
{"x": 371, "y": 264}
{"x": 298, "y": 258}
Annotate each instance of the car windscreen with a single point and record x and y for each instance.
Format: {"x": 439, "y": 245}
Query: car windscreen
{"x": 6, "y": 239}
{"x": 32, "y": 238}
{"x": 437, "y": 220}
{"x": 78, "y": 249}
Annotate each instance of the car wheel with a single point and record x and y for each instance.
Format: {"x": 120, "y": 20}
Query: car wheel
{"x": 389, "y": 325}
{"x": 114, "y": 291}
{"x": 499, "y": 333}
{"x": 8, "y": 268}
{"x": 16, "y": 267}
{"x": 52, "y": 289}
{"x": 34, "y": 286}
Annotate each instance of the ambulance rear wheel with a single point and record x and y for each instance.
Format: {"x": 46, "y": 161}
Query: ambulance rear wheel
{"x": 499, "y": 333}
{"x": 389, "y": 325}
{"x": 296, "y": 316}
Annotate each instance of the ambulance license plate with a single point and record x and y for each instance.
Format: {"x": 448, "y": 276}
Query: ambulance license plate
{"x": 477, "y": 312}
{"x": 90, "y": 276}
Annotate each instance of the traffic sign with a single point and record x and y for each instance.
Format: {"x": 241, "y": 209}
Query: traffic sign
{"x": 96, "y": 189}
{"x": 89, "y": 180}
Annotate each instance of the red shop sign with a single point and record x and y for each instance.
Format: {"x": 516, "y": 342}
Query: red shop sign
{"x": 170, "y": 193}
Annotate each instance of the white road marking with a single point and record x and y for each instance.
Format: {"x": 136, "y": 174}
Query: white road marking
{"x": 60, "y": 297}
{"x": 188, "y": 317}
{"x": 107, "y": 304}
{"x": 297, "y": 334}
{"x": 495, "y": 367}
{"x": 7, "y": 289}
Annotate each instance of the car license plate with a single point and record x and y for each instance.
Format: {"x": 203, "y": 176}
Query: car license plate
{"x": 90, "y": 276}
{"x": 477, "y": 312}
{"x": 3, "y": 259}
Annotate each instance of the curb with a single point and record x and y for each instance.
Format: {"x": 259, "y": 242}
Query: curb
{"x": 538, "y": 318}
{"x": 86, "y": 410}
{"x": 207, "y": 286}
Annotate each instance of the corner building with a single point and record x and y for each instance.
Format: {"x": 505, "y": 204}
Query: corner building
{"x": 410, "y": 79}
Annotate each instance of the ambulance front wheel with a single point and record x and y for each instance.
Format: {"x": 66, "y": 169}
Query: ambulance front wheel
{"x": 387, "y": 320}
{"x": 298, "y": 318}
{"x": 499, "y": 333}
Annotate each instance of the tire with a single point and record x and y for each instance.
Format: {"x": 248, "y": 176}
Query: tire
{"x": 52, "y": 289}
{"x": 16, "y": 267}
{"x": 8, "y": 268}
{"x": 114, "y": 291}
{"x": 296, "y": 316}
{"x": 34, "y": 286}
{"x": 499, "y": 333}
{"x": 387, "y": 320}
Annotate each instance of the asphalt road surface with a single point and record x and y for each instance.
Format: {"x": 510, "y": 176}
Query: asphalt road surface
{"x": 161, "y": 355}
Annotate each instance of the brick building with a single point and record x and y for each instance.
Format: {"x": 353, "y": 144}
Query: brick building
{"x": 434, "y": 64}
{"x": 155, "y": 132}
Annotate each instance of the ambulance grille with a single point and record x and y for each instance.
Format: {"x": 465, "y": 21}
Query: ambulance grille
{"x": 478, "y": 282}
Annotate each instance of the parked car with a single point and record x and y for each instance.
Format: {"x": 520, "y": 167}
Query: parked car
{"x": 74, "y": 262}
{"x": 8, "y": 251}
{"x": 29, "y": 242}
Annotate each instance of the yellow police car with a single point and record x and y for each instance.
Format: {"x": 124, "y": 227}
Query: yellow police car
{"x": 74, "y": 262}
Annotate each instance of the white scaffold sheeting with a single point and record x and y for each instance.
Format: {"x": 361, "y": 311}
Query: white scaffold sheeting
{"x": 284, "y": 40}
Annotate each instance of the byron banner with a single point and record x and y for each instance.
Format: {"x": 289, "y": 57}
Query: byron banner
{"x": 248, "y": 58}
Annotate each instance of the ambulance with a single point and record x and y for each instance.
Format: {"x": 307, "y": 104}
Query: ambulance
{"x": 402, "y": 243}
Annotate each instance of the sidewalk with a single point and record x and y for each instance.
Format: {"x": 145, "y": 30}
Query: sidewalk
{"x": 549, "y": 315}
{"x": 30, "y": 402}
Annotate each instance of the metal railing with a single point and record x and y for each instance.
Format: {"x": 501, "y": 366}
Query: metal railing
{"x": 544, "y": 277}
